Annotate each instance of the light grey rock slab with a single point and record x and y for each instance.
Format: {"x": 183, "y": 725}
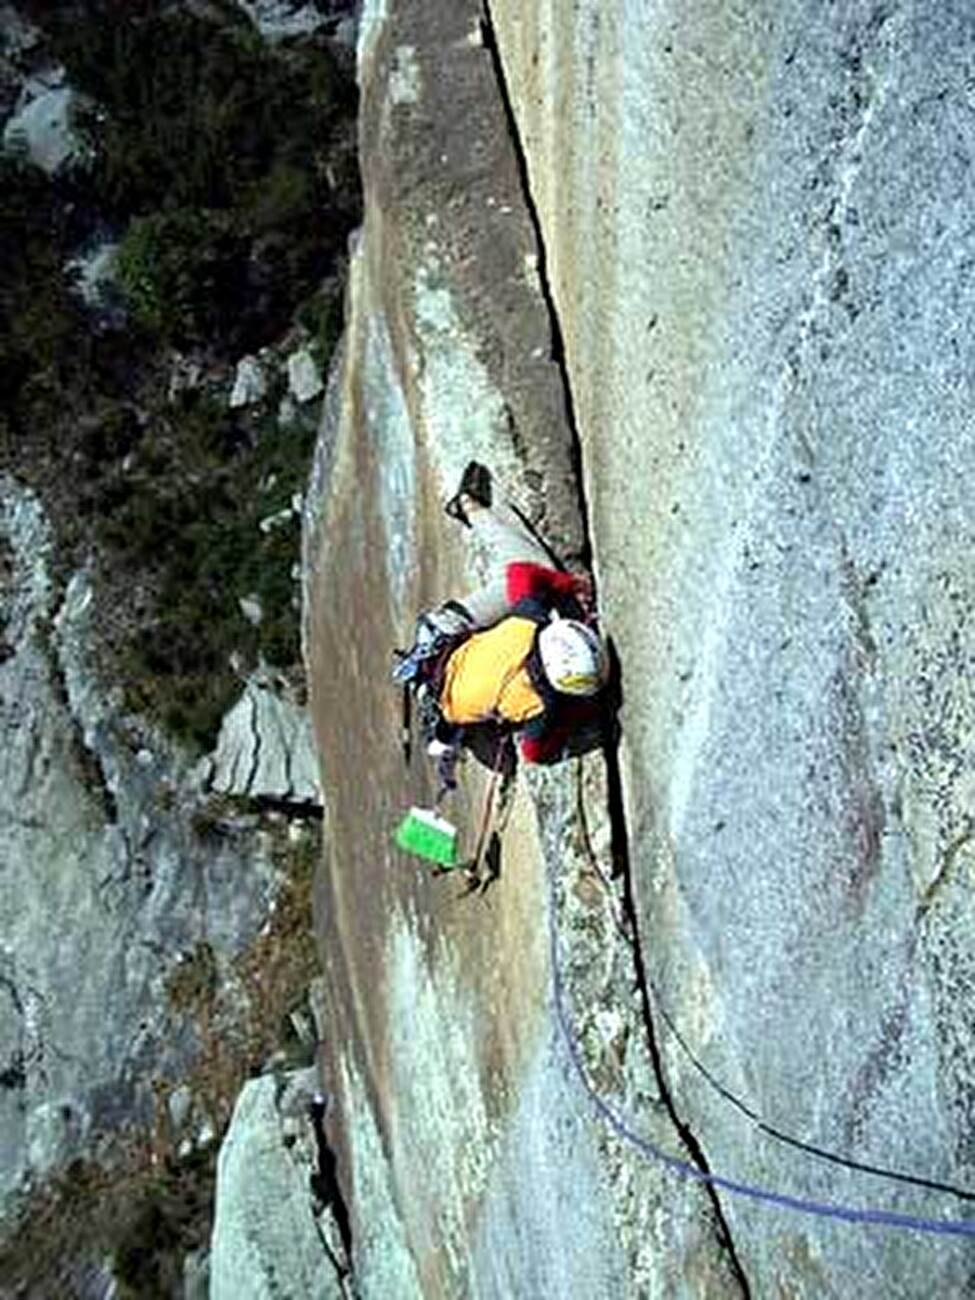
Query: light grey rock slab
{"x": 41, "y": 123}
{"x": 279, "y": 20}
{"x": 266, "y": 1243}
{"x": 94, "y": 273}
{"x": 304, "y": 376}
{"x": 765, "y": 293}
{"x": 288, "y": 411}
{"x": 551, "y": 1146}
{"x": 265, "y": 747}
{"x": 250, "y": 383}
{"x": 252, "y": 610}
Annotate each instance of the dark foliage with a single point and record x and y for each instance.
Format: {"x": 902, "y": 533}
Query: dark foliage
{"x": 231, "y": 152}
{"x": 228, "y": 170}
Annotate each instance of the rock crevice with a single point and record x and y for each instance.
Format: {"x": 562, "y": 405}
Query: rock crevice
{"x": 713, "y": 253}
{"x": 615, "y": 811}
{"x": 558, "y": 351}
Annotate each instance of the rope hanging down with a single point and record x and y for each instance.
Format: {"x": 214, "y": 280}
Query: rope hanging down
{"x": 797, "y": 1204}
{"x": 810, "y": 1148}
{"x": 763, "y": 1125}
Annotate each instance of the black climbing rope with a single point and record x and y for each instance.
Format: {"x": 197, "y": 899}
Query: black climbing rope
{"x": 684, "y": 1169}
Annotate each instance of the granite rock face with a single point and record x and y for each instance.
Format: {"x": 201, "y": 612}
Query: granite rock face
{"x": 774, "y": 458}
{"x": 457, "y": 1096}
{"x": 268, "y": 1241}
{"x": 118, "y": 888}
{"x": 712, "y": 269}
{"x": 265, "y": 748}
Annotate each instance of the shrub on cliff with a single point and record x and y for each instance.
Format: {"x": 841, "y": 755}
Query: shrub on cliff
{"x": 177, "y": 269}
{"x": 228, "y": 168}
{"x": 184, "y": 518}
{"x": 223, "y": 154}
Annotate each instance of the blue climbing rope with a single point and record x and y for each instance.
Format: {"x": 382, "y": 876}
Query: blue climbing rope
{"x": 625, "y": 1131}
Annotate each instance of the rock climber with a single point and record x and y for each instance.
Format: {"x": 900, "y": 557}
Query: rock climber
{"x": 520, "y": 656}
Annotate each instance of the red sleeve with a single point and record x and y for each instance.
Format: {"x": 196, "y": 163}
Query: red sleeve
{"x": 571, "y": 716}
{"x": 536, "y": 581}
{"x": 544, "y": 749}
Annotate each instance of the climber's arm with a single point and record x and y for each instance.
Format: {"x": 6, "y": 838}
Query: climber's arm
{"x": 553, "y": 587}
{"x": 573, "y": 728}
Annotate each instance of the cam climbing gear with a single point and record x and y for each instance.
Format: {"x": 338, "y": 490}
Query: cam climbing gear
{"x": 419, "y": 670}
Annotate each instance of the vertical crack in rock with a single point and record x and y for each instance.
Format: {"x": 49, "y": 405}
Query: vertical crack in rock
{"x": 343, "y": 1274}
{"x": 326, "y": 1188}
{"x": 251, "y": 782}
{"x": 490, "y": 40}
{"x": 620, "y": 838}
{"x": 623, "y": 868}
{"x": 86, "y": 756}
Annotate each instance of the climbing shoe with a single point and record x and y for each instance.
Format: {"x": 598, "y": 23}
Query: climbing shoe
{"x": 475, "y": 483}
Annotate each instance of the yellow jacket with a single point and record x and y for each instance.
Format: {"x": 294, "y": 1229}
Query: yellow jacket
{"x": 487, "y": 676}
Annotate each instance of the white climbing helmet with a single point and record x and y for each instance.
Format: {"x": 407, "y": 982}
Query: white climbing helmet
{"x": 573, "y": 656}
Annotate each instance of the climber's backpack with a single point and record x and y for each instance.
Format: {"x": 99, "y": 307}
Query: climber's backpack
{"x": 419, "y": 669}
{"x": 438, "y": 632}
